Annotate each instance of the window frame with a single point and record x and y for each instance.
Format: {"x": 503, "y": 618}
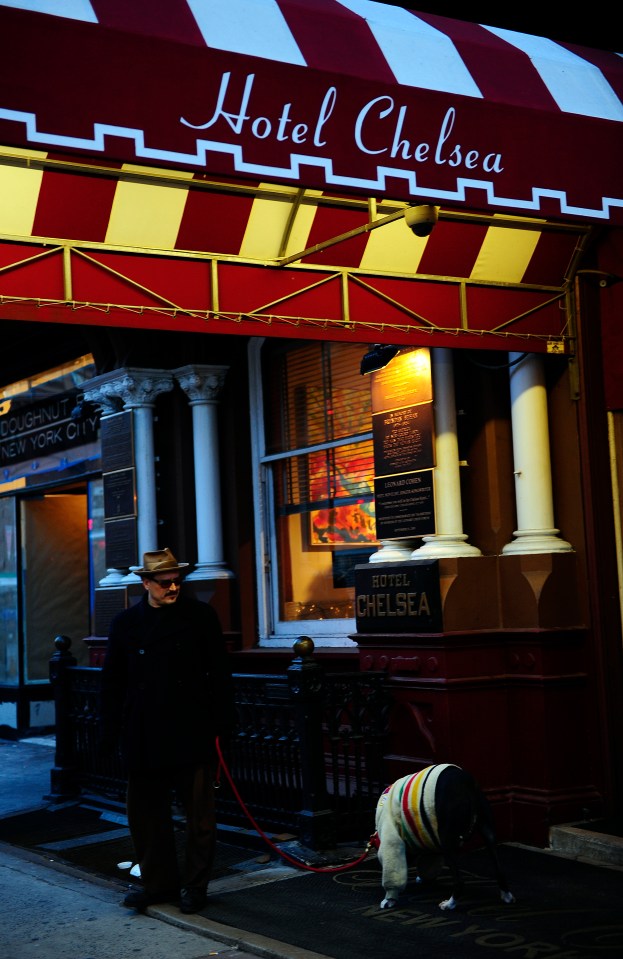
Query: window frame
{"x": 272, "y": 630}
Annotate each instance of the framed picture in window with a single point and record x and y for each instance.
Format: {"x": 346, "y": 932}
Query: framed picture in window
{"x": 348, "y": 524}
{"x": 341, "y": 491}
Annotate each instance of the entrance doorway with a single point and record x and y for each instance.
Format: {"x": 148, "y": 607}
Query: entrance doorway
{"x": 55, "y": 577}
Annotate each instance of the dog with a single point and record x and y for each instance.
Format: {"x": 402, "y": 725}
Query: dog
{"x": 430, "y": 815}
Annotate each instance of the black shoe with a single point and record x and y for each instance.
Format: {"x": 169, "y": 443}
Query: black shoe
{"x": 139, "y": 899}
{"x": 192, "y": 900}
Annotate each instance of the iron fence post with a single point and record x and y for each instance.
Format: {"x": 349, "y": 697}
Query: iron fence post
{"x": 306, "y": 682}
{"x": 64, "y": 775}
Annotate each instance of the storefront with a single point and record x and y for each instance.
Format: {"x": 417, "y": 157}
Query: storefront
{"x": 224, "y": 225}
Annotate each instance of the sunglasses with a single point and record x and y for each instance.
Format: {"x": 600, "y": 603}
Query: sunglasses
{"x": 167, "y": 583}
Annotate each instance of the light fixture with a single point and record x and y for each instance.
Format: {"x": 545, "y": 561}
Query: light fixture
{"x": 421, "y": 218}
{"x": 603, "y": 279}
{"x": 378, "y": 357}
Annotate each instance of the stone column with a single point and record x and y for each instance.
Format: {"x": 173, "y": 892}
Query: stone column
{"x": 203, "y": 385}
{"x": 137, "y": 389}
{"x": 449, "y": 540}
{"x": 533, "y": 475}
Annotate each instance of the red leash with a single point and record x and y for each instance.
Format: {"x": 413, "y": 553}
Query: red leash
{"x": 295, "y": 862}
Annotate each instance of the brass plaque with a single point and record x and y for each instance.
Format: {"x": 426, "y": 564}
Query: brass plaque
{"x": 117, "y": 437}
{"x": 398, "y": 597}
{"x": 119, "y": 494}
{"x": 403, "y": 440}
{"x": 121, "y": 543}
{"x": 108, "y": 602}
{"x": 405, "y": 505}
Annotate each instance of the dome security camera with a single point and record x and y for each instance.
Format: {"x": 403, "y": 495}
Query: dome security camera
{"x": 421, "y": 218}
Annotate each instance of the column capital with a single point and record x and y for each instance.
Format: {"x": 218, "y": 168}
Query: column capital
{"x": 128, "y": 388}
{"x": 100, "y": 396}
{"x": 202, "y": 384}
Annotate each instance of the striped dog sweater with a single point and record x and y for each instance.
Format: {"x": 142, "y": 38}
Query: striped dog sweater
{"x": 412, "y": 803}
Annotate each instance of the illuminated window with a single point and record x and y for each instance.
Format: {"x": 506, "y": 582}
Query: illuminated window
{"x": 318, "y": 471}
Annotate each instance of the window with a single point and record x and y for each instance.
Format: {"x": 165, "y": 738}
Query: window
{"x": 315, "y": 462}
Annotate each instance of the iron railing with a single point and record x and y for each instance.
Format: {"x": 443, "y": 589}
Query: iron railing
{"x": 306, "y": 757}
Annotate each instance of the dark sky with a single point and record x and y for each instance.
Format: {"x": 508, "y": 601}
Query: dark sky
{"x": 589, "y": 25}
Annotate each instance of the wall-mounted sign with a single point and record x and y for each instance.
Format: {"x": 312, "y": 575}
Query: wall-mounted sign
{"x": 405, "y": 505}
{"x": 398, "y": 598}
{"x": 270, "y": 99}
{"x": 121, "y": 543}
{"x": 117, "y": 441}
{"x": 406, "y": 381}
{"x": 39, "y": 437}
{"x": 404, "y": 446}
{"x": 119, "y": 494}
{"x": 108, "y": 602}
{"x": 403, "y": 440}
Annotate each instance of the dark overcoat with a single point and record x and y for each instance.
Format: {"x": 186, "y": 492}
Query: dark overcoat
{"x": 167, "y": 688}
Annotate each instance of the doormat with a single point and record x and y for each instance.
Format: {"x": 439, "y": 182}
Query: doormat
{"x": 564, "y": 910}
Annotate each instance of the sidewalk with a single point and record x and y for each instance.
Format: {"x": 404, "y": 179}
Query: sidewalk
{"x": 51, "y": 910}
{"x": 52, "y": 914}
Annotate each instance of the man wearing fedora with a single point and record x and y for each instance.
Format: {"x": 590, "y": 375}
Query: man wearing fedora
{"x": 167, "y": 693}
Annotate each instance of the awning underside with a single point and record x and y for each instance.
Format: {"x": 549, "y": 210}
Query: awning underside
{"x": 134, "y": 247}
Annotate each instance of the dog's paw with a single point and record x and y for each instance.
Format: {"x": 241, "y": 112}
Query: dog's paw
{"x": 389, "y": 904}
{"x": 447, "y": 904}
{"x": 507, "y": 896}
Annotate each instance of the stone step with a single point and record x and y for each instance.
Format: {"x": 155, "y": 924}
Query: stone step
{"x": 580, "y": 842}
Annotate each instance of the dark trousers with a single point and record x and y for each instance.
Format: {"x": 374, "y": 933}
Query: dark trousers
{"x": 150, "y": 818}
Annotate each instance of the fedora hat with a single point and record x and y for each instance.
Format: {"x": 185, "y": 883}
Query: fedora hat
{"x": 159, "y": 561}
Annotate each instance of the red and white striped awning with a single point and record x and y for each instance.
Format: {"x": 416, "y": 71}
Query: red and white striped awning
{"x": 355, "y": 97}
